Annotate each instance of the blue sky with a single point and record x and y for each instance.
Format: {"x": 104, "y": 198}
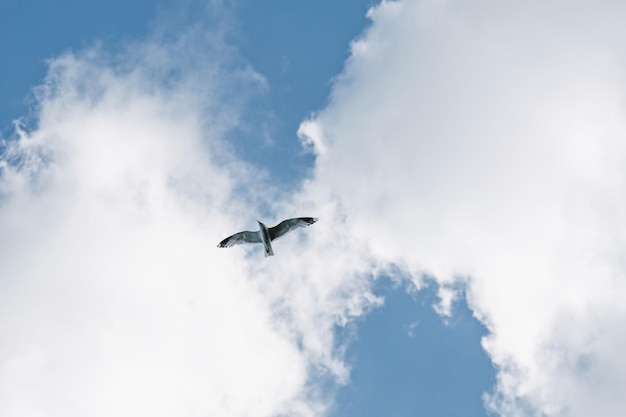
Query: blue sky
{"x": 465, "y": 160}
{"x": 406, "y": 362}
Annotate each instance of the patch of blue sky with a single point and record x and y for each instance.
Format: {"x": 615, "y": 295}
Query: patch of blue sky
{"x": 406, "y": 361}
{"x": 298, "y": 47}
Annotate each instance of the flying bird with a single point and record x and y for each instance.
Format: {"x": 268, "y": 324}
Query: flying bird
{"x": 266, "y": 235}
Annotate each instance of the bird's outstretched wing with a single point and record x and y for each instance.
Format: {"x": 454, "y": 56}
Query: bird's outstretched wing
{"x": 239, "y": 238}
{"x": 290, "y": 224}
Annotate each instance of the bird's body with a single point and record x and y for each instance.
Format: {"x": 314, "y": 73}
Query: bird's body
{"x": 266, "y": 238}
{"x": 266, "y": 235}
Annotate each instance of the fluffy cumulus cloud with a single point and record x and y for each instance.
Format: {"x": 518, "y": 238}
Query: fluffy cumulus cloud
{"x": 485, "y": 142}
{"x": 114, "y": 300}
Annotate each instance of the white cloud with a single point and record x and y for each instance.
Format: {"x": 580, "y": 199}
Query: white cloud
{"x": 484, "y": 142}
{"x": 114, "y": 300}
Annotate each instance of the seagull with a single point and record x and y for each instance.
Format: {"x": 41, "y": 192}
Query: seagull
{"x": 265, "y": 235}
